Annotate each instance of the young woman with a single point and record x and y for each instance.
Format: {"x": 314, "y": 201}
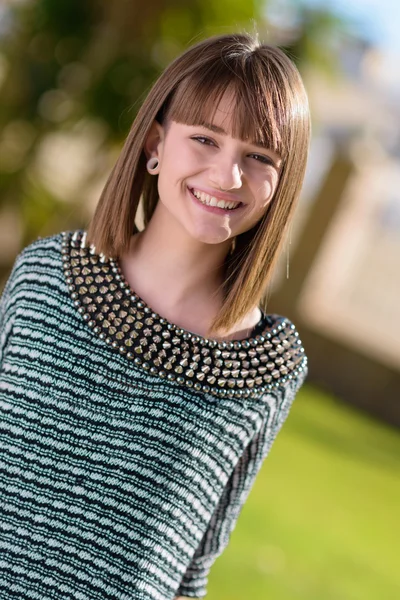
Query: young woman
{"x": 142, "y": 383}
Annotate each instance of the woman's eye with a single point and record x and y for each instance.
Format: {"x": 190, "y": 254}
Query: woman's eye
{"x": 261, "y": 158}
{"x": 203, "y": 140}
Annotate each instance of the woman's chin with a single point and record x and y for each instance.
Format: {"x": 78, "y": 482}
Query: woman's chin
{"x": 213, "y": 240}
{"x": 210, "y": 235}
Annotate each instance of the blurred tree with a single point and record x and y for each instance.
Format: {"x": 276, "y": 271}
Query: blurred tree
{"x": 72, "y": 75}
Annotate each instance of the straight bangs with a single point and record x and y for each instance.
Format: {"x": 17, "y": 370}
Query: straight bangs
{"x": 261, "y": 111}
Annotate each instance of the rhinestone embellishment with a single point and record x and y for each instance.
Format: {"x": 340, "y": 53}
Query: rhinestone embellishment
{"x": 239, "y": 368}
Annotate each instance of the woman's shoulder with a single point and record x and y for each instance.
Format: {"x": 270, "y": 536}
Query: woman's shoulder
{"x": 279, "y": 330}
{"x": 41, "y": 251}
{"x": 37, "y": 261}
{"x": 283, "y": 343}
{"x": 42, "y": 245}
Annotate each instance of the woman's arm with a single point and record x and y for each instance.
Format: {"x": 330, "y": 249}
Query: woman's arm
{"x": 237, "y": 489}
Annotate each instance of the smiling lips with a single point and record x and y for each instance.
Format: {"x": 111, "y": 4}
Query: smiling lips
{"x": 212, "y": 201}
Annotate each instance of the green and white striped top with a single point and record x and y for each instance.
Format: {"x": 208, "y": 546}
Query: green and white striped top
{"x": 128, "y": 446}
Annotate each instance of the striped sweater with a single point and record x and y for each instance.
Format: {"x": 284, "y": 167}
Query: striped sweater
{"x": 128, "y": 446}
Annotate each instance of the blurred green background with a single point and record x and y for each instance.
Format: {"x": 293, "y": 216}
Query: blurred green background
{"x": 73, "y": 74}
{"x": 322, "y": 520}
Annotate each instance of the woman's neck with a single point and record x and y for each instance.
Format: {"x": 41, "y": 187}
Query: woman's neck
{"x": 180, "y": 278}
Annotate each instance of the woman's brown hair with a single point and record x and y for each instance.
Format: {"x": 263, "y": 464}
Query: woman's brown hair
{"x": 270, "y": 106}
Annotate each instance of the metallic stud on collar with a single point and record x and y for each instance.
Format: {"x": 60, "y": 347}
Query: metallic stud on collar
{"x": 113, "y": 312}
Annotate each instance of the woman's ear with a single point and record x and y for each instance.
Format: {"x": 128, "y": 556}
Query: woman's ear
{"x": 154, "y": 140}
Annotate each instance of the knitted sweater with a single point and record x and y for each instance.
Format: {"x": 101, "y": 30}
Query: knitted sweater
{"x": 128, "y": 446}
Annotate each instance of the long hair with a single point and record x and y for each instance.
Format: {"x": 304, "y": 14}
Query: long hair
{"x": 270, "y": 106}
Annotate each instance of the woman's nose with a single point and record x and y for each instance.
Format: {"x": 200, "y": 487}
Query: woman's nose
{"x": 227, "y": 175}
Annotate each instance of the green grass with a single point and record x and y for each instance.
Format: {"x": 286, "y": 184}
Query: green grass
{"x": 322, "y": 520}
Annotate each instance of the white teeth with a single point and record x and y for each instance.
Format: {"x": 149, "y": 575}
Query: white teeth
{"x": 211, "y": 201}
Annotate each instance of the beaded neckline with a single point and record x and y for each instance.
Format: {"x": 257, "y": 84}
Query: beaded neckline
{"x": 237, "y": 368}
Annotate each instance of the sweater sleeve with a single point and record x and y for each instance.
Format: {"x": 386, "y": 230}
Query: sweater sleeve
{"x": 224, "y": 519}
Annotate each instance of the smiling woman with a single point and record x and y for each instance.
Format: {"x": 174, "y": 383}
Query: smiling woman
{"x": 219, "y": 188}
{"x": 142, "y": 383}
{"x": 244, "y": 108}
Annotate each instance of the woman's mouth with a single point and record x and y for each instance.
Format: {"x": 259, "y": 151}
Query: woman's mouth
{"x": 212, "y": 203}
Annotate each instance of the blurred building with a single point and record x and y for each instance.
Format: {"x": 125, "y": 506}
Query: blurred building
{"x": 344, "y": 284}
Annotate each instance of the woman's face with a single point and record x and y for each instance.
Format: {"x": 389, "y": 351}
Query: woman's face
{"x": 201, "y": 167}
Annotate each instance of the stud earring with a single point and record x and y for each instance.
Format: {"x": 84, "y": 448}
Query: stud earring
{"x": 152, "y": 165}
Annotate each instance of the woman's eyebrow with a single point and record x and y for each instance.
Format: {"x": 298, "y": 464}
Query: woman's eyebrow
{"x": 221, "y": 131}
{"x": 214, "y": 128}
